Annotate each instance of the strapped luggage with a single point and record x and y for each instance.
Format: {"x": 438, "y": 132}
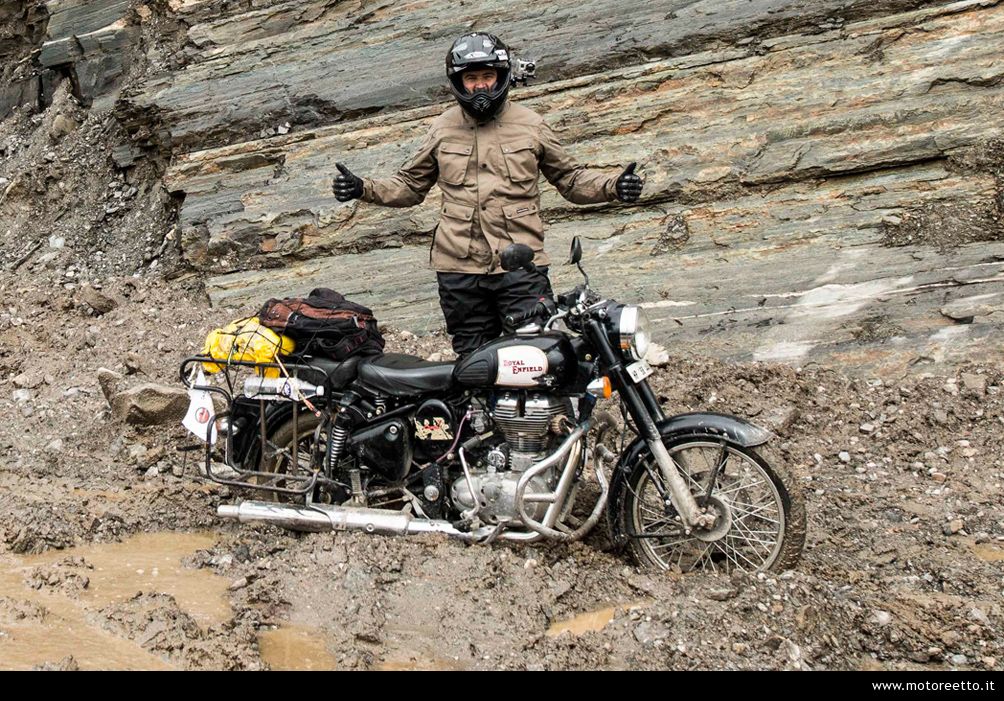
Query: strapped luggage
{"x": 324, "y": 323}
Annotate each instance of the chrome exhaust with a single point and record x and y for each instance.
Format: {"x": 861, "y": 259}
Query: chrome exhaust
{"x": 318, "y": 518}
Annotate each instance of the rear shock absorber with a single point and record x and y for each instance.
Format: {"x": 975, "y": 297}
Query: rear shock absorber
{"x": 337, "y": 438}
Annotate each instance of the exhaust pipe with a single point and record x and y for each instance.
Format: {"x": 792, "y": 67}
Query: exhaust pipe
{"x": 318, "y": 518}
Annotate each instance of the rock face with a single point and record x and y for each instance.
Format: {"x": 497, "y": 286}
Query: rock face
{"x": 823, "y": 180}
{"x": 320, "y": 61}
{"x": 809, "y": 196}
{"x": 89, "y": 40}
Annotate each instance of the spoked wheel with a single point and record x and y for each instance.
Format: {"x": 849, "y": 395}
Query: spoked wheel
{"x": 760, "y": 515}
{"x": 279, "y": 458}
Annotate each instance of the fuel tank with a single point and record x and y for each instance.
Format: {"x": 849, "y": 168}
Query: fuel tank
{"x": 543, "y": 360}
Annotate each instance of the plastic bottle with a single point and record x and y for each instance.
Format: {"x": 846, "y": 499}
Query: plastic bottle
{"x": 280, "y": 388}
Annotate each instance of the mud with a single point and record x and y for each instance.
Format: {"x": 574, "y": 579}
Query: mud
{"x": 902, "y": 566}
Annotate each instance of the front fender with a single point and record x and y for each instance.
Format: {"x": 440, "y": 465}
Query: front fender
{"x": 717, "y": 427}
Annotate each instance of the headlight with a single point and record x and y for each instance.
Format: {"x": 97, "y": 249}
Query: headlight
{"x": 633, "y": 335}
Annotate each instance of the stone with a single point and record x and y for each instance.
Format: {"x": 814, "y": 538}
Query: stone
{"x": 656, "y": 356}
{"x": 722, "y": 593}
{"x": 20, "y": 396}
{"x": 978, "y": 614}
{"x": 844, "y": 456}
{"x": 27, "y": 380}
{"x": 150, "y": 404}
{"x": 648, "y": 632}
{"x": 954, "y": 526}
{"x": 239, "y": 584}
{"x": 866, "y": 428}
{"x": 61, "y": 126}
{"x": 134, "y": 363}
{"x": 779, "y": 418}
{"x": 109, "y": 381}
{"x": 96, "y": 300}
{"x": 977, "y": 384}
{"x": 54, "y": 446}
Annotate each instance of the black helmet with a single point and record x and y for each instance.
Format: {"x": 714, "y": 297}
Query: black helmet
{"x": 479, "y": 50}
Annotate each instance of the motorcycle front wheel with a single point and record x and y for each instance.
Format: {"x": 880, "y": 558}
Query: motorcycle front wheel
{"x": 761, "y": 513}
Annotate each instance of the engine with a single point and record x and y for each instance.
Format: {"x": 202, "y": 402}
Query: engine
{"x": 532, "y": 426}
{"x": 530, "y": 423}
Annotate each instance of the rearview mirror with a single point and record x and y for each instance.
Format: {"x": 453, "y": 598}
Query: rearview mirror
{"x": 575, "y": 255}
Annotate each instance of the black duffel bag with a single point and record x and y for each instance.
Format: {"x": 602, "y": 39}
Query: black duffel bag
{"x": 324, "y": 323}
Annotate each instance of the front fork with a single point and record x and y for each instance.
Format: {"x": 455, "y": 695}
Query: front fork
{"x": 643, "y": 406}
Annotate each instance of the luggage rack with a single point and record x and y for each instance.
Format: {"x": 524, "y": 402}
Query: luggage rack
{"x": 292, "y": 485}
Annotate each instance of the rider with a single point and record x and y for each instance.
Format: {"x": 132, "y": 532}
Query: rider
{"x": 487, "y": 154}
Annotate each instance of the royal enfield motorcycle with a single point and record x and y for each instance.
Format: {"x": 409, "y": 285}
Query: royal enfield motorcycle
{"x": 503, "y": 444}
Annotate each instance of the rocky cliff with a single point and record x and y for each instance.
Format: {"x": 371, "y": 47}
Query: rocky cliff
{"x": 823, "y": 180}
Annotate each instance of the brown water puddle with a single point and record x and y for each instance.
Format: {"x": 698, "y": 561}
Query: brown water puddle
{"x": 591, "y": 621}
{"x": 148, "y": 562}
{"x": 295, "y": 649}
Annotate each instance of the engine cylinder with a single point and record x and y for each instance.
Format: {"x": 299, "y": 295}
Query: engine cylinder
{"x": 525, "y": 420}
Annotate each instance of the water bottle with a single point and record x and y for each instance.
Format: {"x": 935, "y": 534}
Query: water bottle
{"x": 280, "y": 388}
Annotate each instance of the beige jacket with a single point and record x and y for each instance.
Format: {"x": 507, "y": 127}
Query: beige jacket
{"x": 488, "y": 174}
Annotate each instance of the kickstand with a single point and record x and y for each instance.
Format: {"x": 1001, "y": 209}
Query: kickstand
{"x": 493, "y": 536}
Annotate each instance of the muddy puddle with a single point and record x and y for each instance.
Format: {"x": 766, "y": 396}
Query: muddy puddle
{"x": 50, "y": 603}
{"x": 295, "y": 648}
{"x": 590, "y": 621}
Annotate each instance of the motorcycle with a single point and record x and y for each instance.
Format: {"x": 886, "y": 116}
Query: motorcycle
{"x": 500, "y": 444}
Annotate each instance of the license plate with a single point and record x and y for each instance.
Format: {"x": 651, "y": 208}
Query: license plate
{"x": 639, "y": 371}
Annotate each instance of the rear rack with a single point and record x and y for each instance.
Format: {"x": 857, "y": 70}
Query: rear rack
{"x": 235, "y": 474}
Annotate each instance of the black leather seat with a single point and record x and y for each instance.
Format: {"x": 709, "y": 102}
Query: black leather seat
{"x": 331, "y": 373}
{"x": 402, "y": 375}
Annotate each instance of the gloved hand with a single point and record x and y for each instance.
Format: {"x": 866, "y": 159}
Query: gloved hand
{"x": 629, "y": 185}
{"x": 347, "y": 186}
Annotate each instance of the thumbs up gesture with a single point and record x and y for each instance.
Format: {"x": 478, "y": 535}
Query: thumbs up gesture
{"x": 347, "y": 186}
{"x": 629, "y": 185}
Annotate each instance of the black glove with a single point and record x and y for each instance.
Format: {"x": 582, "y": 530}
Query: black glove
{"x": 347, "y": 186}
{"x": 629, "y": 185}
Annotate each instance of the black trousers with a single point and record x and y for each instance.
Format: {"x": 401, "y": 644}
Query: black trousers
{"x": 475, "y": 306}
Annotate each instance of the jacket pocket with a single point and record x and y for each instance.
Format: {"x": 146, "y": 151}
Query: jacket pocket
{"x": 523, "y": 224}
{"x": 453, "y": 162}
{"x": 453, "y": 237}
{"x": 521, "y": 161}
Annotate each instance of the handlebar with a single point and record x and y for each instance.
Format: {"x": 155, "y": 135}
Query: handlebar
{"x": 544, "y": 308}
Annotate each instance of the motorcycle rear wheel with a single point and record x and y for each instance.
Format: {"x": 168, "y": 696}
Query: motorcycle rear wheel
{"x": 278, "y": 457}
{"x": 763, "y": 526}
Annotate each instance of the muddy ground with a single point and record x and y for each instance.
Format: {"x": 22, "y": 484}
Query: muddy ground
{"x": 901, "y": 570}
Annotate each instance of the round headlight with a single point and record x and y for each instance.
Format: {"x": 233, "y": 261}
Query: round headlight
{"x": 633, "y": 332}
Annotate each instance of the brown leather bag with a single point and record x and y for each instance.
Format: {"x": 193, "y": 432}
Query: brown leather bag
{"x": 324, "y": 323}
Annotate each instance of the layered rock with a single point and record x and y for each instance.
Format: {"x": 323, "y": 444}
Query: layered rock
{"x": 88, "y": 39}
{"x": 823, "y": 182}
{"x": 319, "y": 61}
{"x": 22, "y": 25}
